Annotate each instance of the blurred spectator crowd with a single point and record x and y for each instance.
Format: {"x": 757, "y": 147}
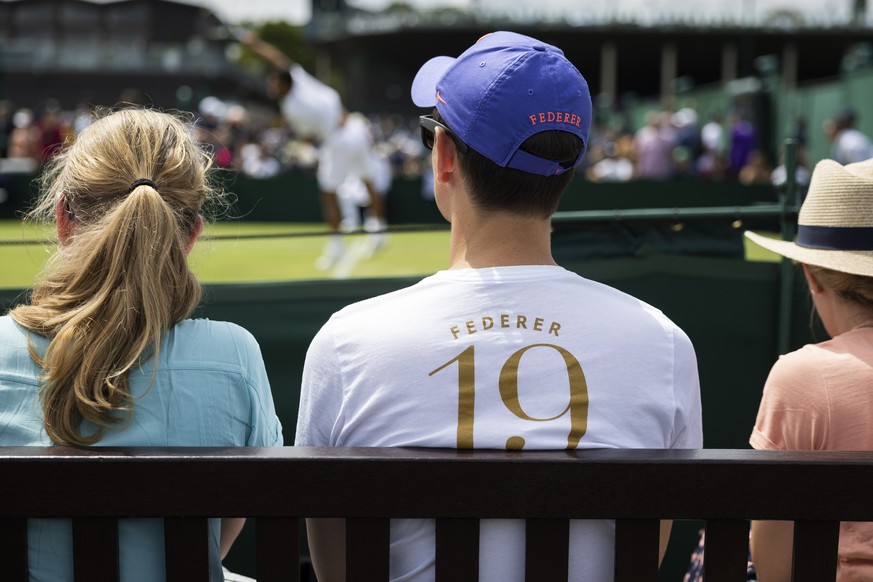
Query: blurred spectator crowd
{"x": 255, "y": 142}
{"x": 680, "y": 146}
{"x": 669, "y": 146}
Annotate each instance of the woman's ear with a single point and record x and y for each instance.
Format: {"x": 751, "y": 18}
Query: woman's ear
{"x": 64, "y": 218}
{"x": 815, "y": 285}
{"x": 196, "y": 231}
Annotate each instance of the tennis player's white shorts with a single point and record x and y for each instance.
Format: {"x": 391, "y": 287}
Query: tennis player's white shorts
{"x": 346, "y": 153}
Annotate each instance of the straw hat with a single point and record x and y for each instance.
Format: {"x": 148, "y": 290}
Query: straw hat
{"x": 835, "y": 224}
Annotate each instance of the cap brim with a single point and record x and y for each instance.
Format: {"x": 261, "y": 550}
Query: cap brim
{"x": 425, "y": 81}
{"x": 853, "y": 262}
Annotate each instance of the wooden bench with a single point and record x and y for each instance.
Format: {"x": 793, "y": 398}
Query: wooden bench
{"x": 275, "y": 487}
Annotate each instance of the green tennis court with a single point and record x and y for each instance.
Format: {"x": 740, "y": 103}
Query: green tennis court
{"x": 259, "y": 252}
{"x": 251, "y": 252}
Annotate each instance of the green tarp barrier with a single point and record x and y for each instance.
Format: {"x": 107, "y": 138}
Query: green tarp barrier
{"x": 728, "y": 307}
{"x": 293, "y": 197}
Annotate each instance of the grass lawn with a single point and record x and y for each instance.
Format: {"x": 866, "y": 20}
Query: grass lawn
{"x": 756, "y": 253}
{"x": 235, "y": 258}
{"x": 240, "y": 259}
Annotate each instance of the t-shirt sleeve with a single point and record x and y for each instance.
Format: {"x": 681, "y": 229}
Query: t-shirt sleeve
{"x": 687, "y": 421}
{"x": 320, "y": 392}
{"x": 793, "y": 414}
{"x": 301, "y": 76}
{"x": 265, "y": 427}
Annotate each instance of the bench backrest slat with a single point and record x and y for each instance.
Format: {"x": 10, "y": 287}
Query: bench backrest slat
{"x": 186, "y": 546}
{"x": 727, "y": 550}
{"x": 457, "y": 550}
{"x": 547, "y": 549}
{"x": 13, "y": 548}
{"x": 367, "y": 549}
{"x": 815, "y": 550}
{"x": 91, "y": 537}
{"x": 636, "y": 550}
{"x": 277, "y": 549}
{"x": 280, "y": 485}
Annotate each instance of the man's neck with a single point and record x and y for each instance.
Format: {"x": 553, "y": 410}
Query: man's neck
{"x": 500, "y": 240}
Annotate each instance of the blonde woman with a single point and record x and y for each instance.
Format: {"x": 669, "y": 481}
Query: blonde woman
{"x": 103, "y": 352}
{"x": 819, "y": 397}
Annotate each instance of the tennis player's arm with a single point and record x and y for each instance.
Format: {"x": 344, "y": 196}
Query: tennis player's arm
{"x": 266, "y": 51}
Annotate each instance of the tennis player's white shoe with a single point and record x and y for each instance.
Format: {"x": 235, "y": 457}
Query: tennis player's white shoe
{"x": 332, "y": 254}
{"x": 376, "y": 242}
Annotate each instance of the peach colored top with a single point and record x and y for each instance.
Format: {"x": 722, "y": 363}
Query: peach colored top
{"x": 820, "y": 397}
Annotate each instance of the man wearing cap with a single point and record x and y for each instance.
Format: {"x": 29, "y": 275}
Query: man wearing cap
{"x": 504, "y": 349}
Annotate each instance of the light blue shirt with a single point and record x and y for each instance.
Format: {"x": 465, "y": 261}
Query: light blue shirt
{"x": 210, "y": 389}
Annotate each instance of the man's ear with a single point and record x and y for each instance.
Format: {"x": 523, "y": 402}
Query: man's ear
{"x": 446, "y": 156}
{"x": 64, "y": 219}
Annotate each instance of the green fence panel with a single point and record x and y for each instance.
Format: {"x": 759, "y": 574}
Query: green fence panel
{"x": 728, "y": 307}
{"x": 293, "y": 197}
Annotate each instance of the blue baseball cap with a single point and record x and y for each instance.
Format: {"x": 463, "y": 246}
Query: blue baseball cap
{"x": 504, "y": 89}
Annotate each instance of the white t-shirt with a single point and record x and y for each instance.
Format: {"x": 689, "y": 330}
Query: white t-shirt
{"x": 313, "y": 109}
{"x": 532, "y": 356}
{"x": 852, "y": 146}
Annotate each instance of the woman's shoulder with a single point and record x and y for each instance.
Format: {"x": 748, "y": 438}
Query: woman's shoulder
{"x": 15, "y": 337}
{"x": 8, "y": 326}
{"x": 211, "y": 328}
{"x": 15, "y": 358}
{"x": 805, "y": 362}
{"x": 842, "y": 350}
{"x": 210, "y": 341}
{"x": 834, "y": 364}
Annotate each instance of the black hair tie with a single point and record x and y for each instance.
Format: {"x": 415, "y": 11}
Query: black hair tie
{"x": 141, "y": 182}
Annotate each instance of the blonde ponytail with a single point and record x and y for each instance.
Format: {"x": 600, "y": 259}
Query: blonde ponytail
{"x": 122, "y": 280}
